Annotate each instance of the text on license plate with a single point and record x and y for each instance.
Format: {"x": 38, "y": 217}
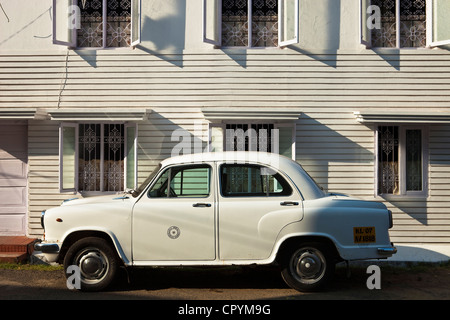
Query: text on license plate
{"x": 364, "y": 234}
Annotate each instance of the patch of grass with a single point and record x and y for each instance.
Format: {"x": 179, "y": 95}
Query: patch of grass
{"x": 36, "y": 267}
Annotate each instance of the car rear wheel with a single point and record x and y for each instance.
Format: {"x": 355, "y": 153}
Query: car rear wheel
{"x": 97, "y": 263}
{"x": 308, "y": 267}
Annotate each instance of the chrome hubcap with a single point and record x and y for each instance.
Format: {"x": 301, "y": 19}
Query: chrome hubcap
{"x": 93, "y": 264}
{"x": 308, "y": 265}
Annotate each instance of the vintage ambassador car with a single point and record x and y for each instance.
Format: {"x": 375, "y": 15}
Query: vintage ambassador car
{"x": 211, "y": 209}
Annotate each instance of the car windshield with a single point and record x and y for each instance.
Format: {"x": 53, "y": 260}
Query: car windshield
{"x": 141, "y": 188}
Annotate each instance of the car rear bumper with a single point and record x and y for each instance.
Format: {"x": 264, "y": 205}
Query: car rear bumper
{"x": 387, "y": 250}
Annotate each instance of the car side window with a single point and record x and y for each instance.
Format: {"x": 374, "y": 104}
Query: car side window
{"x": 183, "y": 182}
{"x": 252, "y": 181}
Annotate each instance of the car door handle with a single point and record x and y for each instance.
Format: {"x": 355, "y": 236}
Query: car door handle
{"x": 289, "y": 203}
{"x": 201, "y": 205}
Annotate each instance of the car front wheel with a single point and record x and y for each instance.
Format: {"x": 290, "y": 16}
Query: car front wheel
{"x": 97, "y": 263}
{"x": 308, "y": 267}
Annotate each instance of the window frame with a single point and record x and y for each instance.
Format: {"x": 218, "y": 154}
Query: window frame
{"x": 181, "y": 167}
{"x": 75, "y": 169}
{"x": 430, "y": 27}
{"x": 265, "y": 195}
{"x": 218, "y": 25}
{"x": 62, "y": 186}
{"x": 72, "y": 35}
{"x": 403, "y": 193}
{"x": 135, "y": 39}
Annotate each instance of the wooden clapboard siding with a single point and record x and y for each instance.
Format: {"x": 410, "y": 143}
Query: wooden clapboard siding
{"x": 328, "y": 87}
{"x": 43, "y": 177}
{"x": 216, "y": 79}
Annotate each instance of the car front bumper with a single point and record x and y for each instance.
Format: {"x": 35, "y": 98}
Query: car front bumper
{"x": 49, "y": 250}
{"x": 46, "y": 247}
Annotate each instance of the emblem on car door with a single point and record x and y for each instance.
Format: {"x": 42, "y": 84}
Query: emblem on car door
{"x": 173, "y": 232}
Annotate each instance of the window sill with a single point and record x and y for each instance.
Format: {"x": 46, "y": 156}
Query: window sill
{"x": 391, "y": 49}
{"x": 400, "y": 197}
{"x": 101, "y": 48}
{"x": 248, "y": 48}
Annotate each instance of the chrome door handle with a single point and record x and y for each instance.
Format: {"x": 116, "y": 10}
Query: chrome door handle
{"x": 201, "y": 205}
{"x": 289, "y": 203}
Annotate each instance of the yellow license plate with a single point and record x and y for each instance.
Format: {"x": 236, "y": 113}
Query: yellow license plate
{"x": 364, "y": 235}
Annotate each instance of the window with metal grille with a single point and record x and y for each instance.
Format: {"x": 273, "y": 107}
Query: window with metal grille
{"x": 402, "y": 161}
{"x": 97, "y": 23}
{"x": 250, "y": 23}
{"x": 101, "y": 157}
{"x": 97, "y": 157}
{"x": 396, "y": 23}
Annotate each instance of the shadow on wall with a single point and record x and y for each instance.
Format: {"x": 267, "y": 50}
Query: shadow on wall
{"x": 161, "y": 138}
{"x": 166, "y": 32}
{"x": 341, "y": 165}
{"x": 323, "y": 150}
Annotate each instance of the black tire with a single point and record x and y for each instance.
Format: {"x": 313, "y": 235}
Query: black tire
{"x": 97, "y": 261}
{"x": 309, "y": 267}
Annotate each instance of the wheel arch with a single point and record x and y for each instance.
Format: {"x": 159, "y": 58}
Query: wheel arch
{"x": 293, "y": 242}
{"x": 76, "y": 235}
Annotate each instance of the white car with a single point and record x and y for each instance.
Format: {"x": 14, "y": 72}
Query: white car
{"x": 215, "y": 209}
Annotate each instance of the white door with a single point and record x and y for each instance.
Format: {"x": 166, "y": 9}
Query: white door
{"x": 255, "y": 203}
{"x": 175, "y": 219}
{"x": 13, "y": 178}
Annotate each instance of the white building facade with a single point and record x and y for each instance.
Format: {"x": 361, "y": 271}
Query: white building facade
{"x": 94, "y": 94}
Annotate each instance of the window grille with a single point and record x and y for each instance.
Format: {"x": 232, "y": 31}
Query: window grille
{"x": 412, "y": 21}
{"x": 388, "y": 160}
{"x": 262, "y": 26}
{"x": 101, "y": 157}
{"x": 118, "y": 24}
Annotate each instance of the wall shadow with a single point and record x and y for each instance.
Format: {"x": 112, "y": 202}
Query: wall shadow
{"x": 321, "y": 147}
{"x": 167, "y": 33}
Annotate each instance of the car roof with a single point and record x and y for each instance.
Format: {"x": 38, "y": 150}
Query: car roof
{"x": 230, "y": 156}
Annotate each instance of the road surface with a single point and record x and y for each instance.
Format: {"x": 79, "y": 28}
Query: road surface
{"x": 231, "y": 283}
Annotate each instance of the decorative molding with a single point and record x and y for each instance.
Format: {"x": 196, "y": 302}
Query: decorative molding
{"x": 23, "y": 114}
{"x": 251, "y": 114}
{"x": 379, "y": 116}
{"x": 85, "y": 114}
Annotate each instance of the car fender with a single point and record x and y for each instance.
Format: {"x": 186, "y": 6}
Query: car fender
{"x": 95, "y": 230}
{"x": 293, "y": 231}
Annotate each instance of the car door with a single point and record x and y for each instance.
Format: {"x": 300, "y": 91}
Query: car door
{"x": 175, "y": 219}
{"x": 254, "y": 204}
